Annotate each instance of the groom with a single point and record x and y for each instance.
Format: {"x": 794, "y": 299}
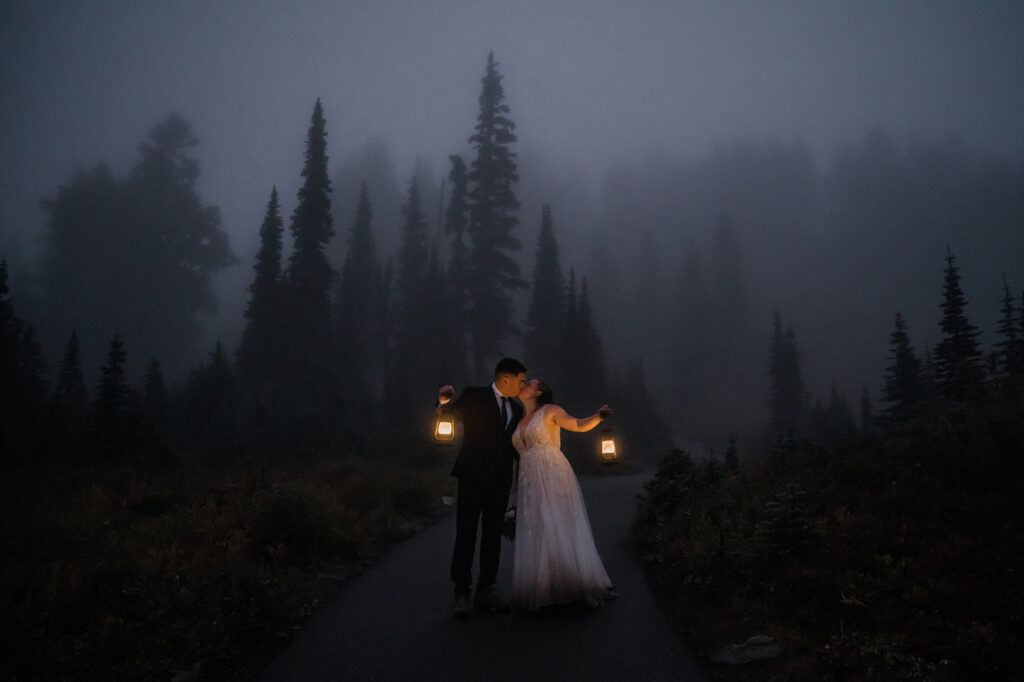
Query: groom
{"x": 483, "y": 467}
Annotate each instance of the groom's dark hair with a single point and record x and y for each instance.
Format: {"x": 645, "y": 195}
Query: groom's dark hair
{"x": 508, "y": 366}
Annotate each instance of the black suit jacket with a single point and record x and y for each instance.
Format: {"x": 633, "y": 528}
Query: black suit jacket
{"x": 486, "y": 443}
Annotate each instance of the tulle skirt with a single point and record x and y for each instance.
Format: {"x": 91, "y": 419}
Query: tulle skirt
{"x": 555, "y": 560}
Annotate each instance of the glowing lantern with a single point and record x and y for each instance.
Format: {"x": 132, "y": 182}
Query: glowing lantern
{"x": 444, "y": 428}
{"x": 609, "y": 454}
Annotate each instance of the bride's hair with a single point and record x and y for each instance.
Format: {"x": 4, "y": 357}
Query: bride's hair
{"x": 545, "y": 397}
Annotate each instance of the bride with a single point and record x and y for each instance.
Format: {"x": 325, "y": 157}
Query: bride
{"x": 555, "y": 560}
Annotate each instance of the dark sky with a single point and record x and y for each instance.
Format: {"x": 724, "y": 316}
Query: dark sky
{"x": 589, "y": 82}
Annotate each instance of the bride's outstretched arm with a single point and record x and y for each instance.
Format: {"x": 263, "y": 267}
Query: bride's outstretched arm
{"x": 571, "y": 423}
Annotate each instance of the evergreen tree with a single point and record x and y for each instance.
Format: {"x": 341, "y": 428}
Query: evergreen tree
{"x": 1010, "y": 347}
{"x": 112, "y": 410}
{"x": 545, "y": 316}
{"x": 410, "y": 368}
{"x": 569, "y": 334}
{"x": 9, "y": 327}
{"x": 210, "y": 409}
{"x": 22, "y": 382}
{"x": 458, "y": 277}
{"x": 786, "y": 394}
{"x": 264, "y": 333}
{"x": 359, "y": 339}
{"x": 69, "y": 403}
{"x": 71, "y": 392}
{"x": 412, "y": 259}
{"x": 957, "y": 356}
{"x": 155, "y": 394}
{"x": 689, "y": 330}
{"x": 178, "y": 245}
{"x": 456, "y": 226}
{"x": 492, "y": 208}
{"x": 732, "y": 460}
{"x": 135, "y": 254}
{"x": 728, "y": 291}
{"x": 902, "y": 389}
{"x": 834, "y": 421}
{"x": 867, "y": 417}
{"x": 310, "y": 276}
{"x": 589, "y": 355}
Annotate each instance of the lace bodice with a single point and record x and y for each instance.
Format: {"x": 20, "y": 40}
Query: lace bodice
{"x": 536, "y": 433}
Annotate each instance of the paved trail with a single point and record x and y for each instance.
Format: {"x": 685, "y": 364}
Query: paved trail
{"x": 394, "y": 622}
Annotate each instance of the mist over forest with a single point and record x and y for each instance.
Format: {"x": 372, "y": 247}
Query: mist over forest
{"x": 243, "y": 244}
{"x": 687, "y": 261}
{"x": 694, "y": 213}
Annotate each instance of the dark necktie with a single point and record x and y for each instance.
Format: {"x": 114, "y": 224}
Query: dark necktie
{"x": 504, "y": 411}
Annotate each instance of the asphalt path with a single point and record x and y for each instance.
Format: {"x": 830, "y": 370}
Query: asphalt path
{"x": 394, "y": 622}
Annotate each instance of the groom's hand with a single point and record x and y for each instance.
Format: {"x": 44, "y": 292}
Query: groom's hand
{"x": 444, "y": 394}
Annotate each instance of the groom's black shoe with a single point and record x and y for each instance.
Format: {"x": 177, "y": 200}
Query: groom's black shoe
{"x": 463, "y": 609}
{"x": 488, "y": 600}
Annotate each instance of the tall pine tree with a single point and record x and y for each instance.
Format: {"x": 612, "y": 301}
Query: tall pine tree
{"x": 1010, "y": 346}
{"x": 787, "y": 398}
{"x": 112, "y": 412}
{"x": 264, "y": 332}
{"x": 359, "y": 336}
{"x": 69, "y": 403}
{"x": 493, "y": 209}
{"x": 903, "y": 390}
{"x": 957, "y": 356}
{"x": 541, "y": 342}
{"x": 310, "y": 351}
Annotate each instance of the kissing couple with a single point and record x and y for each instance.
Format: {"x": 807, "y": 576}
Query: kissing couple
{"x": 555, "y": 560}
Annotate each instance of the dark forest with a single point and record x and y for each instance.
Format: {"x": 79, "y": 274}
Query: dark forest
{"x": 775, "y": 340}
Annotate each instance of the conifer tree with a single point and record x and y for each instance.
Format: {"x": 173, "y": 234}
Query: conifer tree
{"x": 135, "y": 254}
{"x": 8, "y": 330}
{"x": 456, "y": 226}
{"x": 545, "y": 315}
{"x": 71, "y": 392}
{"x": 412, "y": 259}
{"x": 310, "y": 276}
{"x": 957, "y": 356}
{"x": 493, "y": 208}
{"x": 902, "y": 390}
{"x": 210, "y": 401}
{"x": 155, "y": 394}
{"x": 410, "y": 366}
{"x": 1010, "y": 347}
{"x": 867, "y": 417}
{"x": 589, "y": 354}
{"x": 569, "y": 340}
{"x": 69, "y": 403}
{"x": 689, "y": 328}
{"x": 357, "y": 301}
{"x": 22, "y": 381}
{"x": 264, "y": 331}
{"x": 786, "y": 393}
{"x": 112, "y": 410}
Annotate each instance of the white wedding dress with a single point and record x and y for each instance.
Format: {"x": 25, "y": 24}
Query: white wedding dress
{"x": 554, "y": 560}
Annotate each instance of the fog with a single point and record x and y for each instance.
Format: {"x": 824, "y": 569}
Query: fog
{"x": 643, "y": 124}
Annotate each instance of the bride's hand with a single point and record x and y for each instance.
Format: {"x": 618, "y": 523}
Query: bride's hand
{"x": 604, "y": 412}
{"x": 445, "y": 393}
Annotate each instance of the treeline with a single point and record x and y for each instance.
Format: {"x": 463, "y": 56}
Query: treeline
{"x": 342, "y": 360}
{"x": 957, "y": 369}
{"x": 889, "y": 551}
{"x": 705, "y": 249}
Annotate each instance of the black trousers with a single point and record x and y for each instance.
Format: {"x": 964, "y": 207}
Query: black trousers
{"x": 479, "y": 503}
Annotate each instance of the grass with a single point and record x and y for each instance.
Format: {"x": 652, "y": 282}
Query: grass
{"x": 891, "y": 558}
{"x": 137, "y": 575}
